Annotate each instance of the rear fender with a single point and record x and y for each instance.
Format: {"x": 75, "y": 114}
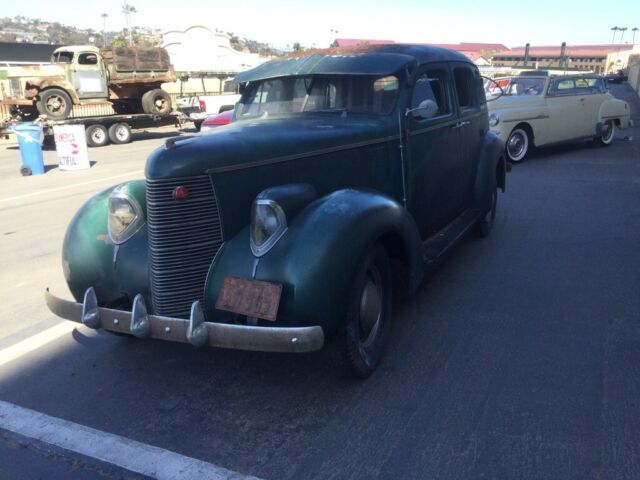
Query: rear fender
{"x": 491, "y": 170}
{"x": 316, "y": 257}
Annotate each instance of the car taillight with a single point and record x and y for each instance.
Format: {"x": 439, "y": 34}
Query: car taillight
{"x": 203, "y": 105}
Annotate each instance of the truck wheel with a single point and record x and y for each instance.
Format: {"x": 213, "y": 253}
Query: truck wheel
{"x": 54, "y": 103}
{"x": 368, "y": 313}
{"x": 157, "y": 102}
{"x": 120, "y": 133}
{"x": 97, "y": 136}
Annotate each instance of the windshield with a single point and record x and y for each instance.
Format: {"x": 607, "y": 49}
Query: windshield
{"x": 320, "y": 93}
{"x": 516, "y": 86}
{"x": 62, "y": 57}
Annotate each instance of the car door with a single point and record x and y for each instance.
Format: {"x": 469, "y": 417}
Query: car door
{"x": 592, "y": 93}
{"x": 565, "y": 111}
{"x": 89, "y": 77}
{"x": 433, "y": 148}
{"x": 472, "y": 126}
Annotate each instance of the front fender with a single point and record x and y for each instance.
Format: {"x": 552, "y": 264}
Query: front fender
{"x": 317, "y": 256}
{"x": 90, "y": 259}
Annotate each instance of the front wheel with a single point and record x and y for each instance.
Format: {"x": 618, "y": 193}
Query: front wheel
{"x": 608, "y": 132}
{"x": 368, "y": 313}
{"x": 54, "y": 103}
{"x": 517, "y": 145}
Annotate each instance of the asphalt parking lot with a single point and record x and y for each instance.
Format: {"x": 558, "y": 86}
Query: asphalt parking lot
{"x": 518, "y": 358}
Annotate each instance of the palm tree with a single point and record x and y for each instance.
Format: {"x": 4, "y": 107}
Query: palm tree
{"x": 104, "y": 28}
{"x": 623, "y": 29}
{"x": 128, "y": 10}
{"x": 614, "y": 30}
{"x": 634, "y": 30}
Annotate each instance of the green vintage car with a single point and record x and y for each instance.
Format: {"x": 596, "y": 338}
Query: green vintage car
{"x": 344, "y": 176}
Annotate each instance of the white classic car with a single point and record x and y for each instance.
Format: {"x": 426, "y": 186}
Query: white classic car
{"x": 538, "y": 110}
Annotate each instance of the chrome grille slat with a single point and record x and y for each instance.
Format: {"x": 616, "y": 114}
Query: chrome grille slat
{"x": 184, "y": 237}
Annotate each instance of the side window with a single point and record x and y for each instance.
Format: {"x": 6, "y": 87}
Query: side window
{"x": 430, "y": 92}
{"x": 465, "y": 88}
{"x": 87, "y": 59}
{"x": 565, "y": 86}
{"x": 596, "y": 84}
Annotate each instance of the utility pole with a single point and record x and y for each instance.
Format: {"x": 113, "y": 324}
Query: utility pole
{"x": 104, "y": 29}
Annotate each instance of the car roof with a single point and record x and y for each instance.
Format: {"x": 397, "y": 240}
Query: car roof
{"x": 364, "y": 60}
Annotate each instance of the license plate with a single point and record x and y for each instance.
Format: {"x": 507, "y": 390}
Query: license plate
{"x": 253, "y": 298}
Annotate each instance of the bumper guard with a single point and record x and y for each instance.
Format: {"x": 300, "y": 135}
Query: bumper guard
{"x": 195, "y": 330}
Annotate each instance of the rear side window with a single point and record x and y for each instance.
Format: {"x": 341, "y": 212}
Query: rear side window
{"x": 565, "y": 86}
{"x": 465, "y": 87}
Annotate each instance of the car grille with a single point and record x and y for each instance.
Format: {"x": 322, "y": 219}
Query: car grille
{"x": 184, "y": 237}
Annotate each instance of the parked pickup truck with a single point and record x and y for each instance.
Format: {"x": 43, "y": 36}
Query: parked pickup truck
{"x": 198, "y": 107}
{"x": 128, "y": 77}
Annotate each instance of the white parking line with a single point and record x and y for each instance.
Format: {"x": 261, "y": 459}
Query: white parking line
{"x": 119, "y": 451}
{"x": 72, "y": 185}
{"x": 32, "y": 343}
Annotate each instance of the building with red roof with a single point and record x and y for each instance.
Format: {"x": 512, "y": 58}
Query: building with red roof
{"x": 596, "y": 58}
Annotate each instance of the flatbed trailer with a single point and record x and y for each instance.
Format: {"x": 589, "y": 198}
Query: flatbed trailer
{"x": 104, "y": 129}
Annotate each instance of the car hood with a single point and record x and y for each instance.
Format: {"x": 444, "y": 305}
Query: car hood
{"x": 250, "y": 143}
{"x": 516, "y": 101}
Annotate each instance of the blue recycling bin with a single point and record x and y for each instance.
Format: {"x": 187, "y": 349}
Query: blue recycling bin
{"x": 30, "y": 141}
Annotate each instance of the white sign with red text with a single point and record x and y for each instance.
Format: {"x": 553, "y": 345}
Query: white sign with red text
{"x": 71, "y": 146}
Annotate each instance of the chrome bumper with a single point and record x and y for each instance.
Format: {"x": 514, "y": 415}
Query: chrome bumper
{"x": 195, "y": 330}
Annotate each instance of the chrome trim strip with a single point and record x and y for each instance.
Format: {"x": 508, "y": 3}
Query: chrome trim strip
{"x": 539, "y": 117}
{"x": 287, "y": 158}
{"x": 241, "y": 337}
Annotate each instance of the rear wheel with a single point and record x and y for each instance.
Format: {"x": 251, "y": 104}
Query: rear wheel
{"x": 120, "y": 133}
{"x": 156, "y": 102}
{"x": 484, "y": 227}
{"x": 517, "y": 145}
{"x": 97, "y": 135}
{"x": 54, "y": 103}
{"x": 608, "y": 132}
{"x": 368, "y": 313}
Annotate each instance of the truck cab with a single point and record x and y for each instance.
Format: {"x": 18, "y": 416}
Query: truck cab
{"x": 84, "y": 70}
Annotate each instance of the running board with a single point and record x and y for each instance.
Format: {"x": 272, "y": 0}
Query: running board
{"x": 437, "y": 246}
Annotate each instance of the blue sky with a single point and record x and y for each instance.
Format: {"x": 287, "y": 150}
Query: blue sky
{"x": 284, "y": 22}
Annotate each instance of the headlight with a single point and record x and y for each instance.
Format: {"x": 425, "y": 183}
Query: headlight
{"x": 268, "y": 224}
{"x": 494, "y": 119}
{"x": 125, "y": 216}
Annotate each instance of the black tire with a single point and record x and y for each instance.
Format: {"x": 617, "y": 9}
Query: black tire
{"x": 54, "y": 103}
{"x": 368, "y": 313}
{"x": 484, "y": 227}
{"x": 126, "y": 107}
{"x": 97, "y": 136}
{"x": 25, "y": 171}
{"x": 120, "y": 133}
{"x": 517, "y": 144}
{"x": 157, "y": 102}
{"x": 608, "y": 132}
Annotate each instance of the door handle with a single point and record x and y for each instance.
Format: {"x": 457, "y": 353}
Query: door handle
{"x": 461, "y": 124}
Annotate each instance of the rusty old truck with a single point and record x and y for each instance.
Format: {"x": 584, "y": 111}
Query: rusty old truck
{"x": 130, "y": 78}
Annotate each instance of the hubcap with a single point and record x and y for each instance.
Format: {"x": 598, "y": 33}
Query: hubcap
{"x": 370, "y": 308}
{"x": 55, "y": 104}
{"x": 121, "y": 133}
{"x": 516, "y": 145}
{"x": 98, "y": 136}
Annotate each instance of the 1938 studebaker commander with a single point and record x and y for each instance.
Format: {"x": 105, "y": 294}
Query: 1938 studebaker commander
{"x": 344, "y": 173}
{"x": 544, "y": 110}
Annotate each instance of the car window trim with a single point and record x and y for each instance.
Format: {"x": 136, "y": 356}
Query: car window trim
{"x": 426, "y": 123}
{"x": 465, "y": 112}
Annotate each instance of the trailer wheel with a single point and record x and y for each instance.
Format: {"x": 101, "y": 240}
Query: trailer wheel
{"x": 120, "y": 133}
{"x": 156, "y": 102}
{"x": 54, "y": 103}
{"x": 97, "y": 136}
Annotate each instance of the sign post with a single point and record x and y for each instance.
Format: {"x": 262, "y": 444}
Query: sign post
{"x": 71, "y": 146}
